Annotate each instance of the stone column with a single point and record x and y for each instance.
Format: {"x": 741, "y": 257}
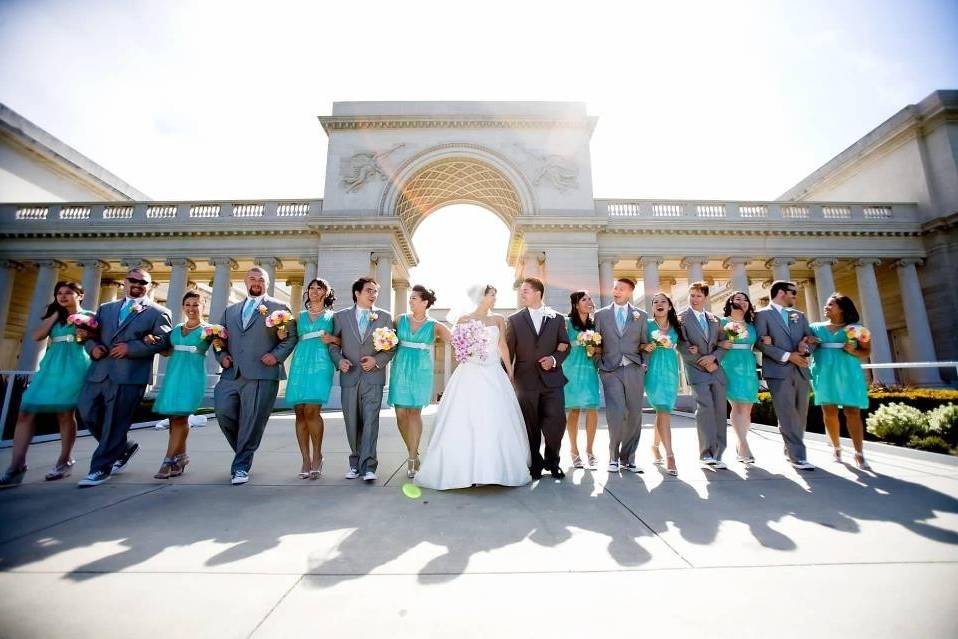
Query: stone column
{"x": 47, "y": 273}
{"x": 108, "y": 290}
{"x": 739, "y": 279}
{"x": 269, "y": 264}
{"x": 177, "y": 286}
{"x": 309, "y": 269}
{"x": 824, "y": 280}
{"x": 8, "y": 271}
{"x": 222, "y": 283}
{"x": 696, "y": 268}
{"x": 92, "y": 276}
{"x": 606, "y": 280}
{"x": 780, "y": 268}
{"x": 874, "y": 318}
{"x": 295, "y": 285}
{"x": 402, "y": 297}
{"x": 650, "y": 278}
{"x": 812, "y": 310}
{"x": 916, "y": 319}
{"x": 384, "y": 276}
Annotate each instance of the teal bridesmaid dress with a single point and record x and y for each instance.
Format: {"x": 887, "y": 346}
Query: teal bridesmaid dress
{"x": 57, "y": 383}
{"x": 311, "y": 373}
{"x": 411, "y": 375}
{"x": 662, "y": 376}
{"x": 739, "y": 365}
{"x": 185, "y": 380}
{"x": 582, "y": 389}
{"x": 837, "y": 376}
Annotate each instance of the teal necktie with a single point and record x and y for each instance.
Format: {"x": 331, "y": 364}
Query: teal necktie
{"x": 363, "y": 321}
{"x": 248, "y": 310}
{"x": 784, "y": 313}
{"x": 704, "y": 324}
{"x": 620, "y": 318}
{"x": 125, "y": 310}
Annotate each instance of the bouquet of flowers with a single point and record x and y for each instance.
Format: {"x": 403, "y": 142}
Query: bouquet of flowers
{"x": 83, "y": 320}
{"x": 662, "y": 339}
{"x": 385, "y": 339}
{"x": 279, "y": 319}
{"x": 212, "y": 332}
{"x": 590, "y": 339}
{"x": 858, "y": 333}
{"x": 470, "y": 340}
{"x": 736, "y": 330}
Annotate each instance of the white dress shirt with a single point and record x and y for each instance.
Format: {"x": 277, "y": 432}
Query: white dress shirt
{"x": 538, "y": 316}
{"x": 359, "y": 312}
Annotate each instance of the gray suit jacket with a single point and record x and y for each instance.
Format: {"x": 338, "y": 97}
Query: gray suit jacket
{"x": 628, "y": 344}
{"x": 706, "y": 344}
{"x": 247, "y": 344}
{"x": 785, "y": 339}
{"x": 137, "y": 367}
{"x": 355, "y": 346}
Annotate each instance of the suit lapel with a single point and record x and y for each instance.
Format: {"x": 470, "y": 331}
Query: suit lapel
{"x": 354, "y": 323}
{"x": 690, "y": 318}
{"x": 129, "y": 318}
{"x": 532, "y": 327}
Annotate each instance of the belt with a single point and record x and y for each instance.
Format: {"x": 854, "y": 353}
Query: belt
{"x": 312, "y": 335}
{"x": 185, "y": 348}
{"x": 63, "y": 338}
{"x": 742, "y": 347}
{"x": 419, "y": 345}
{"x": 830, "y": 345}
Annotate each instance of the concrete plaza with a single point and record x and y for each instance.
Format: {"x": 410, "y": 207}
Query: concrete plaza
{"x": 749, "y": 552}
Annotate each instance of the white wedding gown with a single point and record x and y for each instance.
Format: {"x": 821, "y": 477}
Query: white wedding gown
{"x": 479, "y": 435}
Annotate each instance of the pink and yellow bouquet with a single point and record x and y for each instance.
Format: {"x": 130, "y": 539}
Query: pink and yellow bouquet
{"x": 590, "y": 340}
{"x": 858, "y": 333}
{"x": 662, "y": 339}
{"x": 214, "y": 331}
{"x": 279, "y": 319}
{"x": 470, "y": 340}
{"x": 385, "y": 339}
{"x": 736, "y": 330}
{"x": 83, "y": 320}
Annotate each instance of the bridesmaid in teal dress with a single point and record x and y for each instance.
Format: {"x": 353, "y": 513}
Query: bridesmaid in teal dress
{"x": 582, "y": 389}
{"x": 740, "y": 370}
{"x": 311, "y": 374}
{"x": 184, "y": 383}
{"x": 55, "y": 386}
{"x": 662, "y": 375}
{"x": 838, "y": 380}
{"x": 411, "y": 372}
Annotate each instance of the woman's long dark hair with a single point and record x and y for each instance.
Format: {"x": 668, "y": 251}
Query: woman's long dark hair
{"x": 672, "y": 316}
{"x": 330, "y": 298}
{"x": 61, "y": 312}
{"x": 749, "y": 312}
{"x": 577, "y": 324}
{"x": 849, "y": 312}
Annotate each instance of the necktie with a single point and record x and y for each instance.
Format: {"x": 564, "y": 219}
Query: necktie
{"x": 125, "y": 310}
{"x": 784, "y": 313}
{"x": 363, "y": 321}
{"x": 620, "y": 318}
{"x": 248, "y": 311}
{"x": 703, "y": 323}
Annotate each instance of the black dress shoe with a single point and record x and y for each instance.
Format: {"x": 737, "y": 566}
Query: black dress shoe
{"x": 556, "y": 471}
{"x": 536, "y": 473}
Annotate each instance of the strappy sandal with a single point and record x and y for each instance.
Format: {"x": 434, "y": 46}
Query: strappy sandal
{"x": 671, "y": 470}
{"x": 11, "y": 478}
{"x": 179, "y": 464}
{"x": 577, "y": 462}
{"x": 593, "y": 461}
{"x": 657, "y": 456}
{"x": 60, "y": 471}
{"x": 412, "y": 465}
{"x": 166, "y": 469}
{"x": 837, "y": 455}
{"x": 860, "y": 462}
{"x": 317, "y": 472}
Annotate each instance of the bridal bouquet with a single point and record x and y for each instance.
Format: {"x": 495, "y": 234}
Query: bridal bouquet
{"x": 470, "y": 340}
{"x": 86, "y": 321}
{"x": 385, "y": 339}
{"x": 662, "y": 339}
{"x": 590, "y": 339}
{"x": 736, "y": 330}
{"x": 279, "y": 319}
{"x": 858, "y": 333}
{"x": 213, "y": 332}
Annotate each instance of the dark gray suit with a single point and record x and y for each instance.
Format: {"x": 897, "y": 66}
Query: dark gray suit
{"x": 709, "y": 389}
{"x": 788, "y": 383}
{"x": 244, "y": 396}
{"x": 623, "y": 385}
{"x": 362, "y": 392}
{"x": 115, "y": 387}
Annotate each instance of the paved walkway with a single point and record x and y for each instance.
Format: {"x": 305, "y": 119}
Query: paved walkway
{"x": 756, "y": 552}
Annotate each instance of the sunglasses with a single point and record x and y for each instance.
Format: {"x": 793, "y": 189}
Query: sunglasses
{"x": 133, "y": 280}
{"x": 793, "y": 291}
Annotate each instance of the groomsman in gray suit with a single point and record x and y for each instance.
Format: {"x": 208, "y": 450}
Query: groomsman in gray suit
{"x": 624, "y": 330}
{"x": 701, "y": 334}
{"x": 122, "y": 367}
{"x": 252, "y": 360}
{"x": 362, "y": 374}
{"x": 785, "y": 340}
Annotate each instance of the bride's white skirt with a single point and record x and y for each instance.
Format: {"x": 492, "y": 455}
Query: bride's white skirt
{"x": 479, "y": 435}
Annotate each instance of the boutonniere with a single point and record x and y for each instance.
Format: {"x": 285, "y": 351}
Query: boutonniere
{"x": 262, "y": 309}
{"x": 373, "y": 316}
{"x": 793, "y": 317}
{"x": 636, "y": 315}
{"x": 138, "y": 308}
{"x": 548, "y": 312}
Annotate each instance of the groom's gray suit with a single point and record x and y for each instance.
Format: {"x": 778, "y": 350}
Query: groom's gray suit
{"x": 244, "y": 396}
{"x": 623, "y": 378}
{"x": 709, "y": 389}
{"x": 362, "y": 392}
{"x": 788, "y": 383}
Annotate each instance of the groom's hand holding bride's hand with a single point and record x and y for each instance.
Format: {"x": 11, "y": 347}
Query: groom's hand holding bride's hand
{"x": 367, "y": 363}
{"x": 345, "y": 365}
{"x": 547, "y": 363}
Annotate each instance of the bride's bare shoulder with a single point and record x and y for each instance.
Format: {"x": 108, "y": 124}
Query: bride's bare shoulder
{"x": 500, "y": 320}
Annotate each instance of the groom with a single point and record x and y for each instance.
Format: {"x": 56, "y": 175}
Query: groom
{"x": 538, "y": 343}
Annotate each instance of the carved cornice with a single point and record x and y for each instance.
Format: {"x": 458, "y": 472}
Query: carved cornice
{"x": 353, "y": 123}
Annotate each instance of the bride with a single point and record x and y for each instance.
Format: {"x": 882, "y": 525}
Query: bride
{"x": 479, "y": 436}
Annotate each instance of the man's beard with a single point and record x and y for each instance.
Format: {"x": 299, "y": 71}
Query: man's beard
{"x": 255, "y": 291}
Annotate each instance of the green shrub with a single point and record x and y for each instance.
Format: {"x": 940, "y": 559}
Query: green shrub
{"x": 896, "y": 423}
{"x": 943, "y": 422}
{"x": 931, "y": 443}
